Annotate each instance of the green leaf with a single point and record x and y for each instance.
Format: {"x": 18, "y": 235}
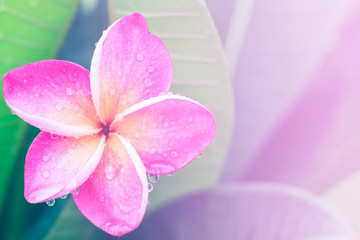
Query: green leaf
{"x": 30, "y": 31}
{"x": 200, "y": 71}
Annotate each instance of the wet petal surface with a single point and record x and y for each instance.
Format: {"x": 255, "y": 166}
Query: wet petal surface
{"x": 114, "y": 198}
{"x": 57, "y": 165}
{"x": 54, "y": 96}
{"x": 129, "y": 64}
{"x": 167, "y": 132}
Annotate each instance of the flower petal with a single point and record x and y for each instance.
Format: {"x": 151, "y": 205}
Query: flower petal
{"x": 263, "y": 211}
{"x": 56, "y": 166}
{"x": 115, "y": 198}
{"x": 129, "y": 64}
{"x": 167, "y": 131}
{"x": 54, "y": 96}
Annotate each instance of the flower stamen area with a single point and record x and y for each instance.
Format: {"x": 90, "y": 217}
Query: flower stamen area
{"x": 105, "y": 130}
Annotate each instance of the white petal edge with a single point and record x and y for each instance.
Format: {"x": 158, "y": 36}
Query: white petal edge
{"x": 140, "y": 169}
{"x": 91, "y": 163}
{"x": 95, "y": 70}
{"x": 146, "y": 103}
{"x": 58, "y": 128}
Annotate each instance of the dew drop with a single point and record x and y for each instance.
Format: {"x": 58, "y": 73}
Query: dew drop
{"x": 148, "y": 82}
{"x": 110, "y": 172}
{"x": 58, "y": 106}
{"x": 75, "y": 75}
{"x": 63, "y": 197}
{"x": 150, "y": 68}
{"x": 45, "y": 174}
{"x": 50, "y": 203}
{"x": 150, "y": 187}
{"x": 69, "y": 91}
{"x": 54, "y": 136}
{"x": 77, "y": 137}
{"x": 174, "y": 154}
{"x": 12, "y": 112}
{"x": 75, "y": 191}
{"x": 162, "y": 94}
{"x": 63, "y": 69}
{"x": 45, "y": 158}
{"x": 148, "y": 201}
{"x": 165, "y": 155}
{"x": 139, "y": 57}
{"x": 153, "y": 150}
{"x": 153, "y": 178}
{"x": 169, "y": 175}
{"x": 199, "y": 156}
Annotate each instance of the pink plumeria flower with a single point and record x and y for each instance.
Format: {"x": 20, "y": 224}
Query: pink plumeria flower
{"x": 114, "y": 125}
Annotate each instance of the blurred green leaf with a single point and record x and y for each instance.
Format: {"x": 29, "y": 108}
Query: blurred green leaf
{"x": 71, "y": 224}
{"x": 30, "y": 31}
{"x": 200, "y": 71}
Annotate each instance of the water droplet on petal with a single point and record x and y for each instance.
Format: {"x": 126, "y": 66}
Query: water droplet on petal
{"x": 45, "y": 158}
{"x": 153, "y": 150}
{"x": 63, "y": 69}
{"x": 54, "y": 136}
{"x": 45, "y": 174}
{"x": 162, "y": 94}
{"x": 169, "y": 175}
{"x": 75, "y": 191}
{"x": 153, "y": 178}
{"x": 139, "y": 57}
{"x": 75, "y": 75}
{"x": 50, "y": 203}
{"x": 69, "y": 91}
{"x": 150, "y": 187}
{"x": 150, "y": 68}
{"x": 174, "y": 154}
{"x": 77, "y": 137}
{"x": 110, "y": 172}
{"x": 58, "y": 106}
{"x": 148, "y": 201}
{"x": 148, "y": 82}
{"x": 199, "y": 156}
{"x": 63, "y": 197}
{"x": 12, "y": 112}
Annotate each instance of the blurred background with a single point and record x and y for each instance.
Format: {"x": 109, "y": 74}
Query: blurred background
{"x": 283, "y": 81}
